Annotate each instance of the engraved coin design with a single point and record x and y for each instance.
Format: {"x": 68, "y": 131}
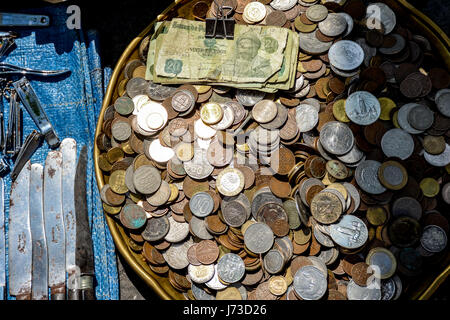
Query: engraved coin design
{"x": 351, "y": 232}
{"x": 397, "y": 143}
{"x": 337, "y": 138}
{"x": 307, "y": 117}
{"x": 230, "y": 268}
{"x": 310, "y": 283}
{"x": 201, "y": 204}
{"x": 326, "y": 208}
{"x": 366, "y": 176}
{"x": 434, "y": 239}
{"x": 346, "y": 55}
{"x": 362, "y": 108}
{"x": 259, "y": 238}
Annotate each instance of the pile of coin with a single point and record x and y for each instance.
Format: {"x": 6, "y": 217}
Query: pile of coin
{"x": 336, "y": 189}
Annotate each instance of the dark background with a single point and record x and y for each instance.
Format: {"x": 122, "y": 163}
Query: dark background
{"x": 119, "y": 22}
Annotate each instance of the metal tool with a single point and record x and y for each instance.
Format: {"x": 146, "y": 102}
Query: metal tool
{"x": 19, "y": 234}
{"x": 14, "y": 134}
{"x": 7, "y": 69}
{"x": 54, "y": 225}
{"x": 39, "y": 279}
{"x": 34, "y": 108}
{"x": 222, "y": 30}
{"x": 23, "y": 20}
{"x": 69, "y": 156}
{"x": 84, "y": 256}
{"x": 7, "y": 41}
{"x": 2, "y": 241}
{"x": 31, "y": 144}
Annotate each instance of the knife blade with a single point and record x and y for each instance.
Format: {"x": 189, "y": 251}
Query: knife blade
{"x": 39, "y": 279}
{"x": 84, "y": 257}
{"x": 23, "y": 20}
{"x": 69, "y": 157}
{"x": 2, "y": 241}
{"x": 19, "y": 244}
{"x": 54, "y": 225}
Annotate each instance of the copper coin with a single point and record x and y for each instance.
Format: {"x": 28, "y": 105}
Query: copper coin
{"x": 280, "y": 188}
{"x": 315, "y": 247}
{"x": 300, "y": 248}
{"x": 282, "y": 161}
{"x": 317, "y": 167}
{"x": 298, "y": 263}
{"x": 249, "y": 176}
{"x": 276, "y": 18}
{"x": 214, "y": 223}
{"x": 200, "y": 9}
{"x": 336, "y": 85}
{"x": 335, "y": 295}
{"x": 280, "y": 228}
{"x": 312, "y": 65}
{"x": 374, "y": 38}
{"x": 349, "y": 261}
{"x": 304, "y": 19}
{"x": 361, "y": 273}
{"x": 321, "y": 37}
{"x": 207, "y": 252}
{"x": 439, "y": 78}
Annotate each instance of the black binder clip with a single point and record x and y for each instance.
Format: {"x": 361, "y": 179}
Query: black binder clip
{"x": 221, "y": 26}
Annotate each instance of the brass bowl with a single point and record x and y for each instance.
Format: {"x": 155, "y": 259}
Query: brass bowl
{"x": 406, "y": 13}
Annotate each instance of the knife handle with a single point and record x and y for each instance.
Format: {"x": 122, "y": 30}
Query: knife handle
{"x": 88, "y": 294}
{"x": 87, "y": 288}
{"x": 58, "y": 293}
{"x": 74, "y": 294}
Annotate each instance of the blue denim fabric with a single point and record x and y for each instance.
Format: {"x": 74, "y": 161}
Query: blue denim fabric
{"x": 72, "y": 104}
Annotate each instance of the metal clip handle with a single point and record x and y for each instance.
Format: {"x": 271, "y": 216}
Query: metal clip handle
{"x": 31, "y": 144}
{"x": 225, "y": 29}
{"x": 37, "y": 113}
{"x": 23, "y": 20}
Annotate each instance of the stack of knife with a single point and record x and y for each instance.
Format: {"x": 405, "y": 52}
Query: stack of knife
{"x": 50, "y": 244}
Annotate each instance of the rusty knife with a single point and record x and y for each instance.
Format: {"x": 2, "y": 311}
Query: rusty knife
{"x": 84, "y": 256}
{"x": 54, "y": 225}
{"x": 20, "y": 249}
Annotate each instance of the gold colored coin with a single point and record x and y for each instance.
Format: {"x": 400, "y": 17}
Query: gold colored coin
{"x": 174, "y": 192}
{"x": 114, "y": 155}
{"x": 385, "y": 175}
{"x": 339, "y": 111}
{"x": 376, "y": 216}
{"x": 184, "y": 151}
{"x": 340, "y": 188}
{"x": 202, "y": 89}
{"x": 387, "y": 105}
{"x": 111, "y": 210}
{"x": 246, "y": 225}
{"x": 117, "y": 182}
{"x": 447, "y": 168}
{"x": 302, "y": 236}
{"x": 300, "y": 67}
{"x": 122, "y": 87}
{"x": 242, "y": 147}
{"x": 103, "y": 163}
{"x": 230, "y": 293}
{"x": 230, "y": 182}
{"x": 211, "y": 113}
{"x": 328, "y": 179}
{"x": 277, "y": 285}
{"x": 434, "y": 145}
{"x": 395, "y": 120}
{"x": 136, "y": 197}
{"x": 288, "y": 276}
{"x": 126, "y": 147}
{"x": 304, "y": 28}
{"x": 430, "y": 187}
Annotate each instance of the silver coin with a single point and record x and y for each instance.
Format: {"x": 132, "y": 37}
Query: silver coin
{"x": 366, "y": 176}
{"x": 200, "y": 294}
{"x": 443, "y": 102}
{"x": 337, "y": 138}
{"x": 147, "y": 179}
{"x": 248, "y": 98}
{"x": 280, "y": 119}
{"x": 403, "y": 114}
{"x": 201, "y": 274}
{"x": 306, "y": 117}
{"x": 273, "y": 262}
{"x": 326, "y": 255}
{"x": 362, "y": 108}
{"x": 176, "y": 255}
{"x": 156, "y": 229}
{"x": 355, "y": 155}
{"x": 350, "y": 232}
{"x": 382, "y": 13}
{"x": 356, "y": 292}
{"x": 383, "y": 261}
{"x": 311, "y": 45}
{"x": 215, "y": 283}
{"x": 350, "y": 23}
{"x": 227, "y": 119}
{"x": 333, "y": 26}
{"x": 285, "y": 246}
{"x": 313, "y": 102}
{"x": 354, "y": 193}
{"x": 446, "y": 193}
{"x": 317, "y": 13}
{"x": 260, "y": 199}
{"x": 440, "y": 160}
{"x": 434, "y": 239}
{"x": 388, "y": 289}
{"x": 198, "y": 228}
{"x": 323, "y": 239}
{"x": 298, "y": 84}
{"x": 400, "y": 44}
{"x": 397, "y": 143}
{"x": 407, "y": 206}
{"x": 319, "y": 264}
{"x": 346, "y": 55}
{"x": 159, "y": 92}
{"x": 310, "y": 283}
{"x": 183, "y": 100}
{"x": 201, "y": 204}
{"x": 230, "y": 268}
{"x": 345, "y": 74}
{"x": 283, "y": 5}
{"x": 259, "y": 238}
{"x": 421, "y": 117}
{"x": 306, "y": 185}
{"x": 303, "y": 92}
{"x": 136, "y": 86}
{"x": 199, "y": 167}
{"x": 242, "y": 290}
{"x": 178, "y": 231}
